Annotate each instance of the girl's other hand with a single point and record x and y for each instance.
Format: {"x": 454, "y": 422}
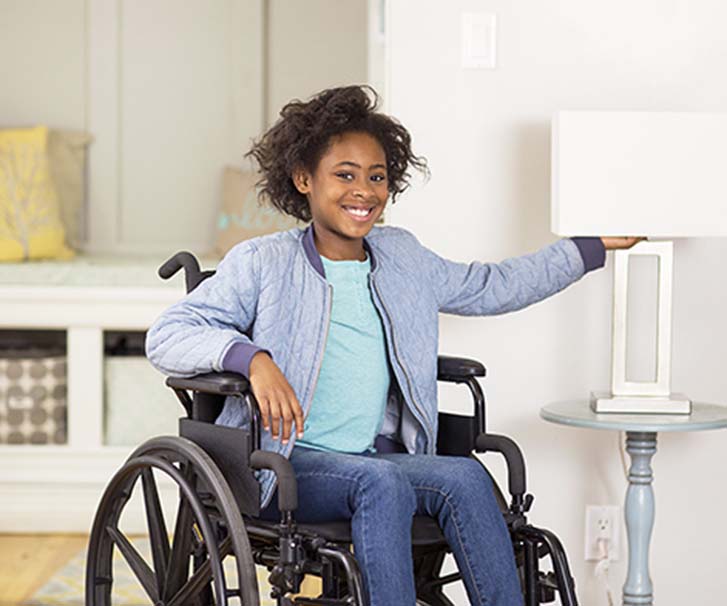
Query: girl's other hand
{"x": 620, "y": 243}
{"x": 275, "y": 397}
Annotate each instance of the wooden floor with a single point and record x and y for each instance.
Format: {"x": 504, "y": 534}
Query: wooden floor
{"x": 27, "y": 561}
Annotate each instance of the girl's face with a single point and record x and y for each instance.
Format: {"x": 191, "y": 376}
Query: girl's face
{"x": 348, "y": 190}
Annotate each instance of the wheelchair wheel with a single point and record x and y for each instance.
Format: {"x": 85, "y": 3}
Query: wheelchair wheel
{"x": 208, "y": 559}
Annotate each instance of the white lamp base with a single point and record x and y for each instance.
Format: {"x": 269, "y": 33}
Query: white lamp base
{"x": 642, "y": 397}
{"x": 676, "y": 404}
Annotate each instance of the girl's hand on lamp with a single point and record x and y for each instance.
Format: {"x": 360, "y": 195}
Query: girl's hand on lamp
{"x": 279, "y": 408}
{"x": 620, "y": 243}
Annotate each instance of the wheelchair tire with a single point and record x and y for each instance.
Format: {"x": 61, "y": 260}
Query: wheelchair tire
{"x": 208, "y": 529}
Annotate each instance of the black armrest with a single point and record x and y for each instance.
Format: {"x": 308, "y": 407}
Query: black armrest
{"x": 211, "y": 390}
{"x": 463, "y": 370}
{"x": 283, "y": 469}
{"x": 216, "y": 383}
{"x": 487, "y": 442}
{"x": 458, "y": 369}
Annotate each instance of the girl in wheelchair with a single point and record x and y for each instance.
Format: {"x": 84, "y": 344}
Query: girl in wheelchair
{"x": 336, "y": 326}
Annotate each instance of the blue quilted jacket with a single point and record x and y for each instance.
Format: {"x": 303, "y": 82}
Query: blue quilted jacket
{"x": 271, "y": 293}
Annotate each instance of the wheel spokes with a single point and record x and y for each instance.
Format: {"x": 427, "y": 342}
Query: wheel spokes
{"x": 178, "y": 568}
{"x": 200, "y": 579}
{"x": 137, "y": 564}
{"x": 207, "y": 529}
{"x": 157, "y": 528}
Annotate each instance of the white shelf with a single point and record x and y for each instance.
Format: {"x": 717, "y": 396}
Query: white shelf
{"x": 56, "y": 488}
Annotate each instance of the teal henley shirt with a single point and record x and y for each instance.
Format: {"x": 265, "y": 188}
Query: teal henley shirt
{"x": 350, "y": 397}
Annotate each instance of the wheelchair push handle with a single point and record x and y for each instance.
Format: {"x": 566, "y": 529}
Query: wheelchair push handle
{"x": 193, "y": 275}
{"x": 181, "y": 259}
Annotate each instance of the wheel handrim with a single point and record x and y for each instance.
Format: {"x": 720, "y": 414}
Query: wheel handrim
{"x": 167, "y": 580}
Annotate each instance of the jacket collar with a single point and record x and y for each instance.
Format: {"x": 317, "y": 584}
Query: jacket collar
{"x": 314, "y": 256}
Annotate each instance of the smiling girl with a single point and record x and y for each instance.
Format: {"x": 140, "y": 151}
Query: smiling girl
{"x": 336, "y": 327}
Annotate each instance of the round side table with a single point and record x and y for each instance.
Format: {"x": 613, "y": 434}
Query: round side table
{"x": 641, "y": 431}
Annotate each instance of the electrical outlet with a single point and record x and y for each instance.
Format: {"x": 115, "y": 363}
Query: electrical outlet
{"x": 603, "y": 531}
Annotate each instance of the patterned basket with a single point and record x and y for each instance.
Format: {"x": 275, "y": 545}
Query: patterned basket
{"x": 33, "y": 388}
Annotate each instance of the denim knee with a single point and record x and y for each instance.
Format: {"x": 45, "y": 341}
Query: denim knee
{"x": 468, "y": 475}
{"x": 387, "y": 485}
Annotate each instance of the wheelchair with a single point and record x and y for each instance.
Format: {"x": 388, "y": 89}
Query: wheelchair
{"x": 218, "y": 538}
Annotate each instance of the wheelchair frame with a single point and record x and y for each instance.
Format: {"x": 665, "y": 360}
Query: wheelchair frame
{"x": 214, "y": 469}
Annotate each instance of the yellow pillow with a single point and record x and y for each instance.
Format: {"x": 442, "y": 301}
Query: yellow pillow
{"x": 30, "y": 225}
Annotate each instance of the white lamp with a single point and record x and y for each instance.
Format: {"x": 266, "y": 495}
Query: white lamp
{"x": 655, "y": 174}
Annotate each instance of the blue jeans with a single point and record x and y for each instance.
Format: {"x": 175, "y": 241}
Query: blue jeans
{"x": 380, "y": 493}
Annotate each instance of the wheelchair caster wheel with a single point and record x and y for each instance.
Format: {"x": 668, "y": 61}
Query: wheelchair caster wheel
{"x": 207, "y": 530}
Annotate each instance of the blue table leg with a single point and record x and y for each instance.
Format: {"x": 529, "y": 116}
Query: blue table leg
{"x": 639, "y": 513}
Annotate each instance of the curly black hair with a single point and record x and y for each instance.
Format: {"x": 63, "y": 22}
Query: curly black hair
{"x": 304, "y": 131}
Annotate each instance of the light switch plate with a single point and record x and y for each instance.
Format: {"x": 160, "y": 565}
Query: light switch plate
{"x": 479, "y": 40}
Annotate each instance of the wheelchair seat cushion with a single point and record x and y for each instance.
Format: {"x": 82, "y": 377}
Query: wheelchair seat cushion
{"x": 425, "y": 532}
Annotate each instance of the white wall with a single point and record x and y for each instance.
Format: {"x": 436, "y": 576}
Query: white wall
{"x": 313, "y": 45}
{"x": 188, "y": 86}
{"x": 42, "y": 62}
{"x": 172, "y": 91}
{"x": 486, "y": 135}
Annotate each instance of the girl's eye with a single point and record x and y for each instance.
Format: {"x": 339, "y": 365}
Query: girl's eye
{"x": 378, "y": 178}
{"x": 347, "y": 176}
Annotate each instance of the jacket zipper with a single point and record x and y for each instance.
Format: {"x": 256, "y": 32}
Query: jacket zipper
{"x": 420, "y": 416}
{"x": 325, "y": 340}
{"x": 320, "y": 362}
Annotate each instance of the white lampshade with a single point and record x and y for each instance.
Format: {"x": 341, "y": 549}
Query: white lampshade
{"x": 658, "y": 174}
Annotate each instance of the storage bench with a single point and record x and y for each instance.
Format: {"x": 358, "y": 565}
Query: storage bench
{"x": 56, "y": 487}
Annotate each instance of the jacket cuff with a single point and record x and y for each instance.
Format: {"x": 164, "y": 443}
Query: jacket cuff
{"x": 592, "y": 251}
{"x": 238, "y": 357}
